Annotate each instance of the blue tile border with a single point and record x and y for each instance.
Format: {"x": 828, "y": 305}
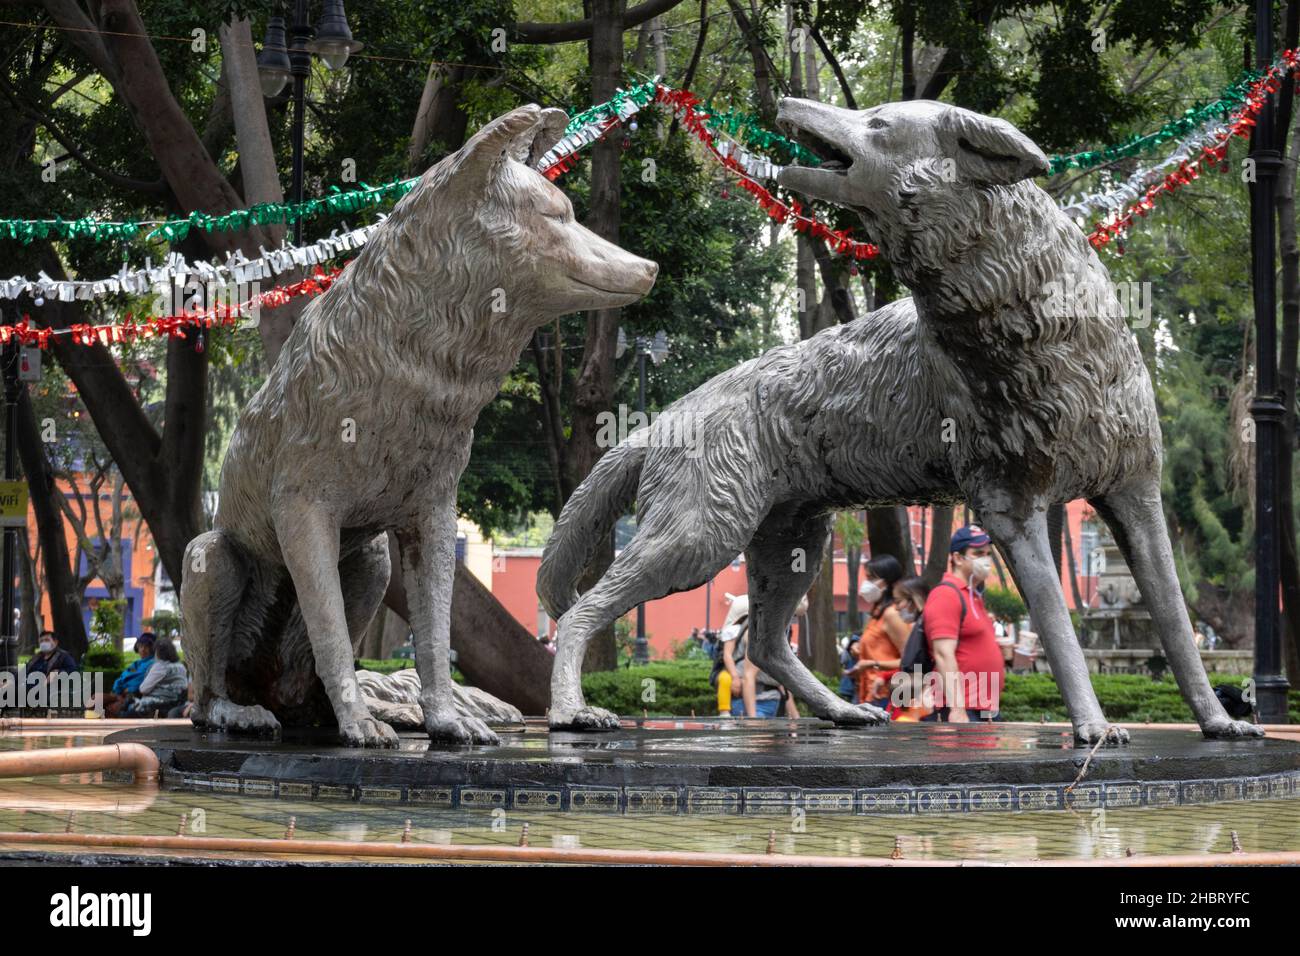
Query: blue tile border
{"x": 652, "y": 799}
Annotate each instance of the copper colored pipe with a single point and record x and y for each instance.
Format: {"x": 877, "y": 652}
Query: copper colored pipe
{"x": 137, "y": 758}
{"x": 90, "y": 724}
{"x": 537, "y": 854}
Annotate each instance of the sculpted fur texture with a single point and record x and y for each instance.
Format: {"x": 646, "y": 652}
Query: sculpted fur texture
{"x": 1008, "y": 380}
{"x": 363, "y": 428}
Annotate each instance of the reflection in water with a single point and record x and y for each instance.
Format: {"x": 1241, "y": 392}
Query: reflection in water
{"x": 86, "y": 804}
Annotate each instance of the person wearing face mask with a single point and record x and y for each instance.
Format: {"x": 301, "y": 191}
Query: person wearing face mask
{"x": 50, "y": 658}
{"x": 907, "y": 702}
{"x": 967, "y": 658}
{"x": 881, "y": 647}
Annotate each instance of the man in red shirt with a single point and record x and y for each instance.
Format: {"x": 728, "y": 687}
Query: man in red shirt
{"x": 968, "y": 661}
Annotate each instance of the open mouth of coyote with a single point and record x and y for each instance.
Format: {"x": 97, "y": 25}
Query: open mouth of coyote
{"x": 831, "y": 159}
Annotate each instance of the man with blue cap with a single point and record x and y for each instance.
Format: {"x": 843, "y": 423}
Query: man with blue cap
{"x": 967, "y": 658}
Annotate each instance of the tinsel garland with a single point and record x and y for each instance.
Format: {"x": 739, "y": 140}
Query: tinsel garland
{"x": 1212, "y": 155}
{"x": 175, "y": 268}
{"x": 172, "y": 230}
{"x": 167, "y": 325}
{"x": 683, "y": 103}
{"x": 1232, "y": 98}
{"x": 1142, "y": 178}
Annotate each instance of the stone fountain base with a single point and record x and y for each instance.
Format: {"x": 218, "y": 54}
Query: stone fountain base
{"x": 741, "y": 766}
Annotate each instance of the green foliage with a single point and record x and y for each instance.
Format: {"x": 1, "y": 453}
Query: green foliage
{"x": 107, "y": 619}
{"x": 390, "y": 666}
{"x": 681, "y": 687}
{"x": 101, "y": 657}
{"x": 164, "y": 624}
{"x": 1124, "y": 697}
{"x": 1005, "y": 604}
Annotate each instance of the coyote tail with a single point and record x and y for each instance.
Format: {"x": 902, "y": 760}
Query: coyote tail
{"x": 586, "y": 521}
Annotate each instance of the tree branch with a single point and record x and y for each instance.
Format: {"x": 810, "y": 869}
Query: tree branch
{"x": 849, "y": 101}
{"x": 157, "y": 187}
{"x": 535, "y": 33}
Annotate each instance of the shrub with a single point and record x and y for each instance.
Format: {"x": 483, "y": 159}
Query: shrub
{"x": 682, "y": 686}
{"x": 164, "y": 624}
{"x": 679, "y": 687}
{"x": 1005, "y": 604}
{"x": 103, "y": 658}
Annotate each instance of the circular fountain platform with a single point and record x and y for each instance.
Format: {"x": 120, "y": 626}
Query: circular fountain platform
{"x": 741, "y": 766}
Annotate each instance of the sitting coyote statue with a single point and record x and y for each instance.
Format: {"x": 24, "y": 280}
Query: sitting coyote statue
{"x": 1009, "y": 380}
{"x": 363, "y": 428}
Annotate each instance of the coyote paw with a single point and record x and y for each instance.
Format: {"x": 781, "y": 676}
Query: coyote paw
{"x": 1221, "y": 728}
{"x": 1091, "y": 731}
{"x": 240, "y": 718}
{"x": 584, "y": 718}
{"x": 366, "y": 731}
{"x": 453, "y": 728}
{"x": 860, "y": 715}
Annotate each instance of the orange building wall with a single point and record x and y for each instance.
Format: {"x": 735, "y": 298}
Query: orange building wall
{"x": 134, "y": 530}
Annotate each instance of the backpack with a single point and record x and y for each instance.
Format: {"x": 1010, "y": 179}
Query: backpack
{"x": 718, "y": 665}
{"x": 917, "y": 650}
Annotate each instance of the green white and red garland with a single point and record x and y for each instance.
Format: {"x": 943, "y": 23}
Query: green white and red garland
{"x": 173, "y": 326}
{"x": 700, "y": 123}
{"x": 711, "y": 128}
{"x": 1211, "y": 156}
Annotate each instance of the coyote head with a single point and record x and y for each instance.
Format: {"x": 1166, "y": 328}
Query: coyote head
{"x": 946, "y": 194}
{"x": 870, "y": 157}
{"x": 506, "y": 219}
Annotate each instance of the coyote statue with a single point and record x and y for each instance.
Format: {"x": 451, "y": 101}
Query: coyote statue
{"x": 987, "y": 386}
{"x": 363, "y": 428}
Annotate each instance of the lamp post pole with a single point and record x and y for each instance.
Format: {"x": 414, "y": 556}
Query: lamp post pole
{"x": 1266, "y": 409}
{"x": 9, "y": 563}
{"x": 641, "y": 654}
{"x": 331, "y": 40}
{"x": 301, "y": 34}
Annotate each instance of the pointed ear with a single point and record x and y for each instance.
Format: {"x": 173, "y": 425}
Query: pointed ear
{"x": 989, "y": 150}
{"x": 549, "y": 132}
{"x": 506, "y": 137}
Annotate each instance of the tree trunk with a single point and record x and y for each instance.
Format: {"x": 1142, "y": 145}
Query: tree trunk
{"x": 60, "y": 577}
{"x": 1055, "y": 524}
{"x": 888, "y": 533}
{"x": 594, "y": 390}
{"x": 854, "y": 558}
{"x": 29, "y": 595}
{"x": 822, "y": 653}
{"x": 484, "y": 637}
{"x": 936, "y": 560}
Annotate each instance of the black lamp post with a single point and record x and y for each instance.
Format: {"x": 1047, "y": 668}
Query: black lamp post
{"x": 1266, "y": 409}
{"x": 331, "y": 40}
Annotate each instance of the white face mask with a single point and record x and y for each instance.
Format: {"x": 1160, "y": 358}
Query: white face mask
{"x": 871, "y": 592}
{"x": 981, "y": 568}
{"x": 46, "y": 647}
{"x": 907, "y": 614}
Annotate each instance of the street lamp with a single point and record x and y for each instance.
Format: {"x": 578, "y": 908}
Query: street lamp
{"x": 331, "y": 40}
{"x": 656, "y": 350}
{"x": 1266, "y": 408}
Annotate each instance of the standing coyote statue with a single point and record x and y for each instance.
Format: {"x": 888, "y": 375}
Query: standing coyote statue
{"x": 1009, "y": 380}
{"x": 363, "y": 428}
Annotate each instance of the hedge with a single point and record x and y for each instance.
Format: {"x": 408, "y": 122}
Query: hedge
{"x": 682, "y": 686}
